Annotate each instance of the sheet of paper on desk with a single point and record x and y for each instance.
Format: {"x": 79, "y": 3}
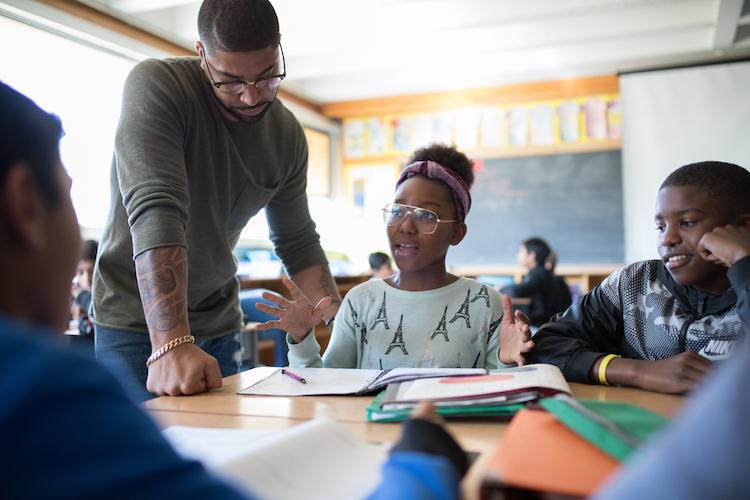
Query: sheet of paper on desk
{"x": 320, "y": 381}
{"x": 294, "y": 464}
{"x": 537, "y": 376}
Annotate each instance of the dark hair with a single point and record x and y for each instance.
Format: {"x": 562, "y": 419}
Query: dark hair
{"x": 449, "y": 157}
{"x": 541, "y": 249}
{"x": 89, "y": 249}
{"x": 378, "y": 260}
{"x": 238, "y": 25}
{"x": 721, "y": 180}
{"x": 31, "y": 135}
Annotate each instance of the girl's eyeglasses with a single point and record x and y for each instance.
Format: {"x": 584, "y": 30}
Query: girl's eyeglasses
{"x": 426, "y": 221}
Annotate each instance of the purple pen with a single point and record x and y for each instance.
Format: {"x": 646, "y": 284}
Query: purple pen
{"x": 293, "y": 375}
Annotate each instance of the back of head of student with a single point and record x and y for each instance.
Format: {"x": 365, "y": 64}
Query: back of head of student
{"x": 434, "y": 189}
{"x": 535, "y": 252}
{"x": 380, "y": 264}
{"x": 39, "y": 235}
{"x": 693, "y": 200}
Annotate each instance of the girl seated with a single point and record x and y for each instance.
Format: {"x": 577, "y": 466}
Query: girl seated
{"x": 421, "y": 316}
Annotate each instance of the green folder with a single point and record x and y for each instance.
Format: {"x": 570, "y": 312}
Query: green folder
{"x": 617, "y": 429}
{"x": 376, "y": 414}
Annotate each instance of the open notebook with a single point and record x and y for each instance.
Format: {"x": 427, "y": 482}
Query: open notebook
{"x": 269, "y": 381}
{"x": 294, "y": 464}
{"x": 499, "y": 393}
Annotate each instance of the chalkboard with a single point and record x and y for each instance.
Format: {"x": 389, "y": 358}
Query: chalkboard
{"x": 574, "y": 201}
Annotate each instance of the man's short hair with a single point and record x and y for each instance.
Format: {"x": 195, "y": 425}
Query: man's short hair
{"x": 723, "y": 181}
{"x": 238, "y": 25}
{"x": 378, "y": 260}
{"x": 30, "y": 135}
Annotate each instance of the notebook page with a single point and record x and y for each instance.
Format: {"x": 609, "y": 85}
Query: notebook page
{"x": 213, "y": 446}
{"x": 401, "y": 374}
{"x": 319, "y": 459}
{"x": 496, "y": 382}
{"x": 320, "y": 381}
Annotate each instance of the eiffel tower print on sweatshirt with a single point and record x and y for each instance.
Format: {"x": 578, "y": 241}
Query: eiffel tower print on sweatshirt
{"x": 354, "y": 314}
{"x": 363, "y": 336}
{"x": 382, "y": 316}
{"x": 463, "y": 312}
{"x": 482, "y": 294}
{"x": 493, "y": 327}
{"x": 398, "y": 339}
{"x": 441, "y": 328}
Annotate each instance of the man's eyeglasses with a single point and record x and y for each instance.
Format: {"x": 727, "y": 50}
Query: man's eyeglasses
{"x": 238, "y": 87}
{"x": 426, "y": 221}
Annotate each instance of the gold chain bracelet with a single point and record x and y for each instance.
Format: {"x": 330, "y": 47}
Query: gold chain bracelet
{"x": 185, "y": 339}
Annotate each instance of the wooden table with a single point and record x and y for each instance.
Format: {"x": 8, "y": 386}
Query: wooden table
{"x": 225, "y": 408}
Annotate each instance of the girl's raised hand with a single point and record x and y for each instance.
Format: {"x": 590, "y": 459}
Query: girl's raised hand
{"x": 297, "y": 316}
{"x": 515, "y": 336}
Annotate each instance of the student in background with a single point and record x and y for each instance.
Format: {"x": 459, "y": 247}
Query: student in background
{"x": 549, "y": 294}
{"x": 79, "y": 310}
{"x": 67, "y": 428}
{"x": 704, "y": 453}
{"x": 380, "y": 265}
{"x": 421, "y": 316}
{"x": 659, "y": 324}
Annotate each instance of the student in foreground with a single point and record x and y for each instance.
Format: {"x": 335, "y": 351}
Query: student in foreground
{"x": 659, "y": 324}
{"x": 549, "y": 294}
{"x": 705, "y": 452}
{"x": 421, "y": 316}
{"x": 67, "y": 428}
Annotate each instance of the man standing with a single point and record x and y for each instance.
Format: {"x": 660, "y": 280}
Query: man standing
{"x": 202, "y": 145}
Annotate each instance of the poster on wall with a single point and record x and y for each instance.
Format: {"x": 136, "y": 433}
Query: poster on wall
{"x": 487, "y": 129}
{"x": 354, "y": 138}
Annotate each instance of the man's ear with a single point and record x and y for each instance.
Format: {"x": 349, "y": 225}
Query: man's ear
{"x": 458, "y": 233}
{"x": 23, "y": 208}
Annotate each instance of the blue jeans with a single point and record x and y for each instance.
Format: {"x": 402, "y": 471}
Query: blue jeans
{"x": 124, "y": 353}
{"x": 248, "y": 299}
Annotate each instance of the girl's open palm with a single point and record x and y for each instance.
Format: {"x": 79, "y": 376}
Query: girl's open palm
{"x": 515, "y": 336}
{"x": 297, "y": 316}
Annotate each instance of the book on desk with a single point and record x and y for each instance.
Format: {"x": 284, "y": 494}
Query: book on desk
{"x": 499, "y": 393}
{"x": 271, "y": 381}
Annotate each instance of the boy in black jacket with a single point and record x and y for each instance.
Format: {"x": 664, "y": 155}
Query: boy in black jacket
{"x": 659, "y": 324}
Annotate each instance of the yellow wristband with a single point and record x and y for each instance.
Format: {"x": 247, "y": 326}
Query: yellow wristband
{"x": 603, "y": 368}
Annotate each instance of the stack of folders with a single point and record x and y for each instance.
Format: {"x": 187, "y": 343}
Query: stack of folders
{"x": 584, "y": 442}
{"x": 498, "y": 394}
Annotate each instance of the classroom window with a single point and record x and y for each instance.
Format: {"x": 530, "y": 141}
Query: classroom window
{"x": 83, "y": 86}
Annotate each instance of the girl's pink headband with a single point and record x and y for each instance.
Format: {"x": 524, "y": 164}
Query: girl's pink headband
{"x": 434, "y": 170}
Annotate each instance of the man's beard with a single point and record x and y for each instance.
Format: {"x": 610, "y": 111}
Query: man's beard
{"x": 243, "y": 118}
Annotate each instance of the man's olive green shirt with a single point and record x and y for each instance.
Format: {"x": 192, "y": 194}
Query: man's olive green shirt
{"x": 183, "y": 175}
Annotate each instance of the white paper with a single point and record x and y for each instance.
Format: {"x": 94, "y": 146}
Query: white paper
{"x": 320, "y": 381}
{"x": 496, "y": 382}
{"x": 319, "y": 459}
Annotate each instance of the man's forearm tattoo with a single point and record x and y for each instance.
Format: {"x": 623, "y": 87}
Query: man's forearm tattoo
{"x": 328, "y": 284}
{"x": 162, "y": 276}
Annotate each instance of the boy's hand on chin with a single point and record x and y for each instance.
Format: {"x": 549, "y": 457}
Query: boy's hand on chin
{"x": 515, "y": 336}
{"x": 674, "y": 375}
{"x": 298, "y": 316}
{"x": 725, "y": 244}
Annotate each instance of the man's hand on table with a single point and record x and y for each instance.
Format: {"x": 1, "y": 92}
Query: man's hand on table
{"x": 183, "y": 371}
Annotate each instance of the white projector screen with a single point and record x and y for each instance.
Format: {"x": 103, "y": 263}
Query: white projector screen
{"x": 672, "y": 118}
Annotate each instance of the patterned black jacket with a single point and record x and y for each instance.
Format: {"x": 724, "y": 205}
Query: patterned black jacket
{"x": 640, "y": 312}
